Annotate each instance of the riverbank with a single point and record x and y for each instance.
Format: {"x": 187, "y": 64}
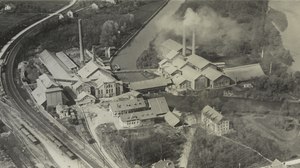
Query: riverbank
{"x": 127, "y": 57}
{"x": 141, "y": 28}
{"x": 290, "y": 37}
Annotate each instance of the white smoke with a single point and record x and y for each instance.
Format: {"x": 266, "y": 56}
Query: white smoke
{"x": 208, "y": 25}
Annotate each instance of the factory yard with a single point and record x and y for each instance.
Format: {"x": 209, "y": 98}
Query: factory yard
{"x": 80, "y": 107}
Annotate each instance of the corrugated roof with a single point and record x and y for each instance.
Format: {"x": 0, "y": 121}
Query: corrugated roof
{"x": 198, "y": 61}
{"x": 179, "y": 62}
{"x": 53, "y": 65}
{"x": 66, "y": 60}
{"x": 212, "y": 114}
{"x": 211, "y": 73}
{"x": 172, "y": 45}
{"x": 245, "y": 72}
{"x": 151, "y": 83}
{"x": 130, "y": 104}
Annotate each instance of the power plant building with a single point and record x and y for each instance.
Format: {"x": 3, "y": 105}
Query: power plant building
{"x": 190, "y": 72}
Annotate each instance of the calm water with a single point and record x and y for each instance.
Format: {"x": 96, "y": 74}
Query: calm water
{"x": 128, "y": 56}
{"x": 291, "y": 36}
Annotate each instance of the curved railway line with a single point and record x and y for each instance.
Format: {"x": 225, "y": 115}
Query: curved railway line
{"x": 37, "y": 120}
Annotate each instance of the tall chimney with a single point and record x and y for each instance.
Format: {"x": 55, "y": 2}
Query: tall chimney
{"x": 183, "y": 41}
{"x": 193, "y": 43}
{"x": 93, "y": 52}
{"x": 82, "y": 59}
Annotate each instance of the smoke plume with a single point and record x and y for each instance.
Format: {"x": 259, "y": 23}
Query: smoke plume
{"x": 213, "y": 31}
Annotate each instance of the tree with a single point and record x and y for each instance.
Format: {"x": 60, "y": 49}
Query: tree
{"x": 109, "y": 33}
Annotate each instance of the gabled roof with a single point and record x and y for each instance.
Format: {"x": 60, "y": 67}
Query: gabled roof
{"x": 39, "y": 95}
{"x": 179, "y": 62}
{"x": 169, "y": 68}
{"x": 151, "y": 83}
{"x": 83, "y": 94}
{"x": 212, "y": 114}
{"x": 190, "y": 74}
{"x": 52, "y": 64}
{"x": 171, "y": 45}
{"x": 66, "y": 60}
{"x": 172, "y": 119}
{"x": 90, "y": 68}
{"x": 178, "y": 79}
{"x": 172, "y": 54}
{"x": 245, "y": 72}
{"x": 198, "y": 61}
{"x": 162, "y": 62}
{"x": 159, "y": 105}
{"x": 47, "y": 81}
{"x": 104, "y": 77}
{"x": 211, "y": 73}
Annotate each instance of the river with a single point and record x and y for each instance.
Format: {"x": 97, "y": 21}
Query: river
{"x": 127, "y": 57}
{"x": 291, "y": 36}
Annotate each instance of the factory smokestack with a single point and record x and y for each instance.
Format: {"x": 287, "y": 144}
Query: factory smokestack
{"x": 193, "y": 43}
{"x": 183, "y": 42}
{"x": 82, "y": 59}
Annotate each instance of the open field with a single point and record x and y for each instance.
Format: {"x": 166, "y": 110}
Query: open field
{"x": 285, "y": 131}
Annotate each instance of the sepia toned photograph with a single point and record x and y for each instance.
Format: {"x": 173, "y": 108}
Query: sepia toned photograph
{"x": 150, "y": 84}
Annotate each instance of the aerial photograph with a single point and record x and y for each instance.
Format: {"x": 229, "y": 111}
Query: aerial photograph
{"x": 150, "y": 84}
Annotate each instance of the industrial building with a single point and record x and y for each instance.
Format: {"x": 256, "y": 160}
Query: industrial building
{"x": 97, "y": 81}
{"x": 139, "y": 112}
{"x": 152, "y": 85}
{"x": 189, "y": 71}
{"x": 213, "y": 121}
{"x": 244, "y": 72}
{"x": 48, "y": 92}
{"x": 55, "y": 66}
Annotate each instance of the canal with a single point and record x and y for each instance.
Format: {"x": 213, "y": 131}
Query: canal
{"x": 127, "y": 57}
{"x": 291, "y": 36}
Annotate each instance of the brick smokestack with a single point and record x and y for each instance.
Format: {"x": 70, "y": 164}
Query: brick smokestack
{"x": 183, "y": 41}
{"x": 193, "y": 43}
{"x": 82, "y": 58}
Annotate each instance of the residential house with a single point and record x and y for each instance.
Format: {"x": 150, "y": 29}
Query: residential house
{"x": 213, "y": 121}
{"x": 70, "y": 14}
{"x": 173, "y": 118}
